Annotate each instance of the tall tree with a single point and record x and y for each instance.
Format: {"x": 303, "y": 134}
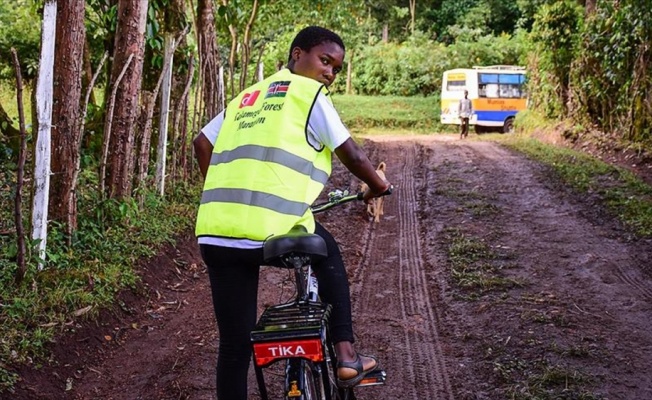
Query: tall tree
{"x": 208, "y": 57}
{"x": 246, "y": 44}
{"x": 413, "y": 14}
{"x": 129, "y": 40}
{"x": 589, "y": 5}
{"x": 68, "y": 66}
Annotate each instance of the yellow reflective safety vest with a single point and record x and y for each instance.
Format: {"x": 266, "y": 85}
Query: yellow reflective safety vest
{"x": 264, "y": 174}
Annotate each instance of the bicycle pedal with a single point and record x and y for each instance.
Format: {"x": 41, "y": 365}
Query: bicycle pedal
{"x": 374, "y": 378}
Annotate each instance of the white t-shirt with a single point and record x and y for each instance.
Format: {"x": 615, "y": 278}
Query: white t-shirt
{"x": 324, "y": 128}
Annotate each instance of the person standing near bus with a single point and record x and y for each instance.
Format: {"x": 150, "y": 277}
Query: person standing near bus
{"x": 465, "y": 110}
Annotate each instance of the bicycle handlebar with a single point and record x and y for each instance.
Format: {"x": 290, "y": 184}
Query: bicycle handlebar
{"x": 339, "y": 197}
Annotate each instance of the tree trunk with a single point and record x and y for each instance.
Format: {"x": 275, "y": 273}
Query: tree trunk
{"x": 222, "y": 87}
{"x": 43, "y": 96}
{"x": 232, "y": 55}
{"x": 589, "y": 6}
{"x": 413, "y": 12}
{"x": 349, "y": 74}
{"x": 208, "y": 58}
{"x": 385, "y": 38}
{"x": 260, "y": 66}
{"x": 161, "y": 154}
{"x": 232, "y": 52}
{"x": 180, "y": 126}
{"x": 148, "y": 102}
{"x": 88, "y": 71}
{"x": 129, "y": 40}
{"x": 69, "y": 49}
{"x": 246, "y": 46}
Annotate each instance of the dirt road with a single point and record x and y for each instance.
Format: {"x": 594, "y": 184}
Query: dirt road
{"x": 484, "y": 280}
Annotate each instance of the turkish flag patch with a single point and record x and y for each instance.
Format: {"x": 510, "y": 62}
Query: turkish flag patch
{"x": 249, "y": 99}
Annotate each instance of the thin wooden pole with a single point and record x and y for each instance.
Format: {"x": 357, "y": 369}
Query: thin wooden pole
{"x": 44, "y": 89}
{"x": 22, "y": 155}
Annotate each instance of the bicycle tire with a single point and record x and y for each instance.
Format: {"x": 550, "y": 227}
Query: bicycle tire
{"x": 303, "y": 381}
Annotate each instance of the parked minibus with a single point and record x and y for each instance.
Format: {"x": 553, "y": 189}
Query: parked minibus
{"x": 497, "y": 93}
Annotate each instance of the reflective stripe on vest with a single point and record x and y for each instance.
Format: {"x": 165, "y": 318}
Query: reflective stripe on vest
{"x": 259, "y": 199}
{"x": 278, "y": 156}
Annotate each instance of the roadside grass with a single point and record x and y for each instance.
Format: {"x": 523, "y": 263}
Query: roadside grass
{"x": 538, "y": 378}
{"x": 623, "y": 194}
{"x": 8, "y": 101}
{"x": 80, "y": 279}
{"x": 552, "y": 382}
{"x": 389, "y": 114}
{"x": 475, "y": 266}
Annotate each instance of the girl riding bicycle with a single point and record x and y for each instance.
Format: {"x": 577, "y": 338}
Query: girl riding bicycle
{"x": 265, "y": 161}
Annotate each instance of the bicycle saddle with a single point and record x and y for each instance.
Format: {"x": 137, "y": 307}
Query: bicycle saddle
{"x": 296, "y": 241}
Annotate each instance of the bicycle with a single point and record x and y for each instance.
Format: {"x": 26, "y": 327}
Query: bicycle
{"x": 297, "y": 332}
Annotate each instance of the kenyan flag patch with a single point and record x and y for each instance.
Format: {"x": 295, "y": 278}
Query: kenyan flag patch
{"x": 278, "y": 89}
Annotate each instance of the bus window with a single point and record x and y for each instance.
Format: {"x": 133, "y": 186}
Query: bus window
{"x": 488, "y": 85}
{"x": 456, "y": 82}
{"x": 456, "y": 86}
{"x": 510, "y": 85}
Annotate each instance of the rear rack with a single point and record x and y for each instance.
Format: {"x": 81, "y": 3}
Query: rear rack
{"x": 295, "y": 320}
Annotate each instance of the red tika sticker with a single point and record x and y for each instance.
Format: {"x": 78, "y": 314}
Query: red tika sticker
{"x": 265, "y": 353}
{"x": 249, "y": 99}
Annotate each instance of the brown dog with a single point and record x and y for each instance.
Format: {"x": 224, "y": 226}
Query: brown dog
{"x": 375, "y": 206}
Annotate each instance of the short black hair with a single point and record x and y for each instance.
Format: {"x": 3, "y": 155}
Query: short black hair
{"x": 312, "y": 36}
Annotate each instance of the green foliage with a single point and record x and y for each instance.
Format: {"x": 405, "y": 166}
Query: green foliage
{"x": 364, "y": 113}
{"x": 415, "y": 67}
{"x": 527, "y": 10}
{"x": 555, "y": 35}
{"x": 19, "y": 30}
{"x": 393, "y": 69}
{"x": 614, "y": 79}
{"x": 594, "y": 68}
{"x": 84, "y": 277}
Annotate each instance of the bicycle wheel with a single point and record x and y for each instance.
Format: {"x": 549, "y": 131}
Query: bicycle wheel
{"x": 303, "y": 381}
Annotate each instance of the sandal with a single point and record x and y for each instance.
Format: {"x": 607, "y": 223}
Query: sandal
{"x": 358, "y": 366}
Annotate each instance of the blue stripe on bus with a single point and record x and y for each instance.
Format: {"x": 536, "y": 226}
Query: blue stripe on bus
{"x": 494, "y": 116}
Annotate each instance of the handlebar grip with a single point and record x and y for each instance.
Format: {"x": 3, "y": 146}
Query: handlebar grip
{"x": 387, "y": 192}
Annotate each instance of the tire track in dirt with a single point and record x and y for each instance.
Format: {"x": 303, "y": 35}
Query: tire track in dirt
{"x": 632, "y": 279}
{"x": 415, "y": 364}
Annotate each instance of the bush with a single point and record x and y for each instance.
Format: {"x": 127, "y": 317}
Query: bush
{"x": 416, "y": 66}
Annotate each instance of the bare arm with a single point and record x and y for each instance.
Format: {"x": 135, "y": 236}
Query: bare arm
{"x": 356, "y": 161}
{"x": 203, "y": 152}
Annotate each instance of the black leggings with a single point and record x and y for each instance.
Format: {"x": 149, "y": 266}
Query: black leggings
{"x": 233, "y": 276}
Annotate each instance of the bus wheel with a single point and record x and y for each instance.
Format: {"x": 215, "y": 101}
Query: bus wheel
{"x": 479, "y": 129}
{"x": 509, "y": 125}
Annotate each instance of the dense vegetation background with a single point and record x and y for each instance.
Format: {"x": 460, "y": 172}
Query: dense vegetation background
{"x": 588, "y": 65}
